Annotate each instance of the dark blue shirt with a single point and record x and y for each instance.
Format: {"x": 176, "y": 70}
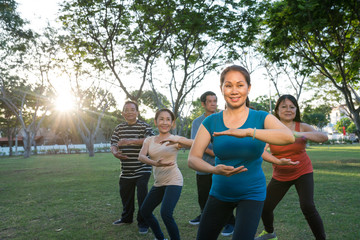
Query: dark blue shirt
{"x": 233, "y": 151}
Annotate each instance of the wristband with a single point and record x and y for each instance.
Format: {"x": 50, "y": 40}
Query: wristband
{"x": 253, "y": 137}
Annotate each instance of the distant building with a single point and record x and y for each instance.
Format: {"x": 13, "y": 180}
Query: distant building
{"x": 4, "y": 141}
{"x": 46, "y": 136}
{"x": 336, "y": 114}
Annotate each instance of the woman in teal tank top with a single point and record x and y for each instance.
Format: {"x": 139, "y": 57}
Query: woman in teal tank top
{"x": 238, "y": 135}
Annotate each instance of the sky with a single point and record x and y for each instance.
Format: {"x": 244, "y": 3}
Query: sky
{"x": 39, "y": 12}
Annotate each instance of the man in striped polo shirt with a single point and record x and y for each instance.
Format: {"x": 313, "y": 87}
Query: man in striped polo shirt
{"x": 126, "y": 143}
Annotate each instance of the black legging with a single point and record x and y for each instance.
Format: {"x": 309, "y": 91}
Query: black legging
{"x": 304, "y": 185}
{"x": 217, "y": 212}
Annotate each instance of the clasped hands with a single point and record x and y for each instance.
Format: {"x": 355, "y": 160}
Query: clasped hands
{"x": 118, "y": 154}
{"x": 124, "y": 142}
{"x": 161, "y": 163}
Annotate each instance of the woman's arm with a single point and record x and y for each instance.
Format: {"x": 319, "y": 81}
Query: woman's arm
{"x": 131, "y": 141}
{"x": 196, "y": 162}
{"x": 145, "y": 159}
{"x": 268, "y": 157}
{"x": 274, "y": 133}
{"x": 184, "y": 142}
{"x": 310, "y": 133}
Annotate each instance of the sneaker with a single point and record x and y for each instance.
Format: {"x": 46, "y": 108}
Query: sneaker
{"x": 120, "y": 222}
{"x": 143, "y": 230}
{"x": 264, "y": 235}
{"x": 228, "y": 230}
{"x": 195, "y": 221}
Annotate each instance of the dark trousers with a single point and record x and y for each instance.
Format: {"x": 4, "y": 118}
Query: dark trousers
{"x": 217, "y": 212}
{"x": 127, "y": 195}
{"x": 169, "y": 196}
{"x": 203, "y": 183}
{"x": 304, "y": 185}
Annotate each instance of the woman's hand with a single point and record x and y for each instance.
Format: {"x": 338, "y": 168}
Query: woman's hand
{"x": 228, "y": 170}
{"x": 240, "y": 133}
{"x": 181, "y": 141}
{"x": 161, "y": 163}
{"x": 287, "y": 161}
{"x": 169, "y": 141}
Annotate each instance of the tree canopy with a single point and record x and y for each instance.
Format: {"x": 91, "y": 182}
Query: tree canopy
{"x": 324, "y": 34}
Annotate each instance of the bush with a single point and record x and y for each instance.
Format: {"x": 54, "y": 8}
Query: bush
{"x": 75, "y": 150}
{"x": 102, "y": 149}
{"x": 52, "y": 151}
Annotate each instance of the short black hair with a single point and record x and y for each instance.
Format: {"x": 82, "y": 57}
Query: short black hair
{"x": 205, "y": 94}
{"x": 131, "y": 102}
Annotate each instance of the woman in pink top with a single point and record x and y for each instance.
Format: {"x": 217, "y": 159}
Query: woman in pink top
{"x": 300, "y": 175}
{"x": 162, "y": 151}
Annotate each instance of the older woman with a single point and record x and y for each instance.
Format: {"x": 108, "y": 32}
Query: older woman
{"x": 301, "y": 175}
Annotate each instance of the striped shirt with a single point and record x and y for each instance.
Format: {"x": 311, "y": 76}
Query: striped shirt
{"x": 132, "y": 167}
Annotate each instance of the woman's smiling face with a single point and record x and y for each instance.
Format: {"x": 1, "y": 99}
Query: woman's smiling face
{"x": 287, "y": 110}
{"x": 235, "y": 89}
{"x": 164, "y": 122}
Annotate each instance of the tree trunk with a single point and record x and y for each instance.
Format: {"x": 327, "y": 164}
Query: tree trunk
{"x": 90, "y": 146}
{"x": 357, "y": 123}
{"x": 10, "y": 143}
{"x": 27, "y": 144}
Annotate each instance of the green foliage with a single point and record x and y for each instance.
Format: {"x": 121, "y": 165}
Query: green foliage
{"x": 153, "y": 100}
{"x": 197, "y": 109}
{"x": 318, "y": 116}
{"x": 347, "y": 123}
{"x": 351, "y": 128}
{"x": 263, "y": 103}
{"x": 13, "y": 36}
{"x": 325, "y": 37}
{"x": 110, "y": 121}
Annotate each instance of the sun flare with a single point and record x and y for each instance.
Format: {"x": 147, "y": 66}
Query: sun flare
{"x": 65, "y": 103}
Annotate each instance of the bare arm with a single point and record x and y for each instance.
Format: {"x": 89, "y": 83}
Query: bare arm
{"x": 145, "y": 159}
{"x": 196, "y": 162}
{"x": 131, "y": 141}
{"x": 118, "y": 154}
{"x": 268, "y": 157}
{"x": 311, "y": 134}
{"x": 274, "y": 133}
{"x": 184, "y": 142}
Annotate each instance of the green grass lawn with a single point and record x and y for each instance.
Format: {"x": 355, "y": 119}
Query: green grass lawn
{"x": 76, "y": 197}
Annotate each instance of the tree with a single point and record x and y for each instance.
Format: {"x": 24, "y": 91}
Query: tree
{"x": 110, "y": 120}
{"x": 318, "y": 116}
{"x": 62, "y": 124}
{"x": 194, "y": 47}
{"x": 263, "y": 103}
{"x": 288, "y": 70}
{"x": 92, "y": 105}
{"x": 14, "y": 38}
{"x": 29, "y": 105}
{"x": 324, "y": 35}
{"x": 344, "y": 122}
{"x": 152, "y": 100}
{"x": 14, "y": 41}
{"x": 327, "y": 93}
{"x": 351, "y": 128}
{"x": 150, "y": 35}
{"x": 9, "y": 124}
{"x": 27, "y": 100}
{"x": 112, "y": 34}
